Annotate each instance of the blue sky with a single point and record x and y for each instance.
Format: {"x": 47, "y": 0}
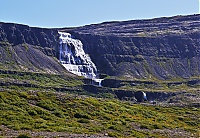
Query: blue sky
{"x": 68, "y": 13}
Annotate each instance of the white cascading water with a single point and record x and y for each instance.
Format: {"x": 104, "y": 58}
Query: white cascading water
{"x": 98, "y": 81}
{"x": 144, "y": 95}
{"x": 73, "y": 57}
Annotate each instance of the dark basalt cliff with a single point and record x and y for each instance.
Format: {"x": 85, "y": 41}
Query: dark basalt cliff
{"x": 161, "y": 48}
{"x": 29, "y": 49}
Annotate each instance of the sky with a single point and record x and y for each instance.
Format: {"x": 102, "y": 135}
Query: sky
{"x": 73, "y": 13}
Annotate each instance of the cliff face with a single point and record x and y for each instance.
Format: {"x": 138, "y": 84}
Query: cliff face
{"x": 163, "y": 48}
{"x": 29, "y": 49}
{"x": 18, "y": 34}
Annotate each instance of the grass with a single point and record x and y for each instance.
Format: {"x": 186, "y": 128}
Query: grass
{"x": 40, "y": 79}
{"x": 51, "y": 82}
{"x": 155, "y": 85}
{"x": 48, "y": 111}
{"x": 32, "y": 101}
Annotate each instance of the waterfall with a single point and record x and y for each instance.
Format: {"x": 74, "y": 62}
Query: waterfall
{"x": 144, "y": 96}
{"x": 98, "y": 81}
{"x": 73, "y": 57}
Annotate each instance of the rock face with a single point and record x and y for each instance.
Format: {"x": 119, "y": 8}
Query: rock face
{"x": 27, "y": 48}
{"x": 18, "y": 34}
{"x": 162, "y": 48}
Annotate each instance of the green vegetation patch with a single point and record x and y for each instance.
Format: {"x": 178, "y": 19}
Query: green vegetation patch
{"x": 49, "y": 111}
{"x": 39, "y": 79}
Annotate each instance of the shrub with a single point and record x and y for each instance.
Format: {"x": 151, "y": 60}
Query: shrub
{"x": 81, "y": 115}
{"x": 191, "y": 123}
{"x": 83, "y": 120}
{"x": 137, "y": 134}
{"x": 156, "y": 126}
{"x": 114, "y": 134}
{"x": 111, "y": 127}
{"x": 180, "y": 118}
{"x": 46, "y": 104}
{"x": 32, "y": 112}
{"x": 58, "y": 113}
{"x": 144, "y": 127}
{"x": 24, "y": 136}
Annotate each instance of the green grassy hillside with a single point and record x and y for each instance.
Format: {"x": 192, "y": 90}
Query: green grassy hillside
{"x": 60, "y": 112}
{"x": 39, "y": 102}
{"x": 48, "y": 111}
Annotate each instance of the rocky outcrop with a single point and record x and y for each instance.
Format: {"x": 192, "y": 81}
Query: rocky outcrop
{"x": 132, "y": 95}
